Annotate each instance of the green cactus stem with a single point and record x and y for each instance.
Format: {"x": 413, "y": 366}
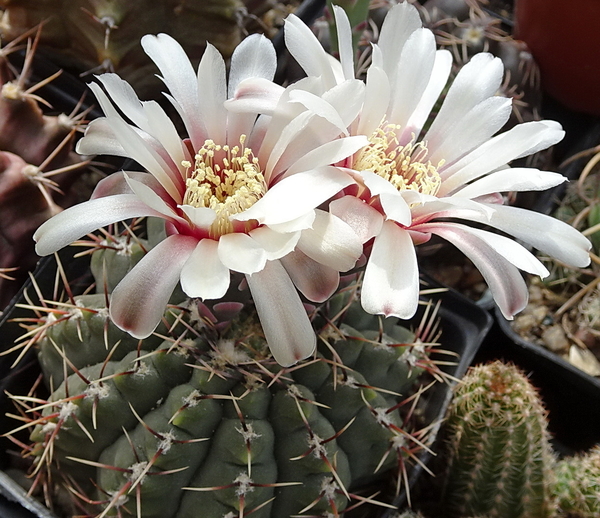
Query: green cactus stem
{"x": 499, "y": 457}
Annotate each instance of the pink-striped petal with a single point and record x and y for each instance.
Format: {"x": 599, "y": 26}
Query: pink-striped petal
{"x": 138, "y": 302}
{"x": 285, "y": 323}
{"x": 503, "y": 278}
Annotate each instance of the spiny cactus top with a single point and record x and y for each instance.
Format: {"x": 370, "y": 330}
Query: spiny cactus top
{"x": 236, "y": 195}
{"x": 415, "y": 176}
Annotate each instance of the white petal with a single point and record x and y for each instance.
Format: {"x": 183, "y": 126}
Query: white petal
{"x": 347, "y": 99}
{"x": 162, "y": 128}
{"x": 304, "y": 221}
{"x": 296, "y": 195}
{"x": 116, "y": 183}
{"x": 377, "y": 184}
{"x": 179, "y": 76}
{"x": 306, "y": 50}
{"x": 331, "y": 242}
{"x": 241, "y": 253}
{"x": 204, "y": 275}
{"x": 512, "y": 251}
{"x": 345, "y": 47}
{"x": 201, "y": 217}
{"x": 138, "y": 148}
{"x": 315, "y": 281}
{"x": 513, "y": 179}
{"x": 145, "y": 193}
{"x": 362, "y": 218}
{"x": 479, "y": 79}
{"x": 99, "y": 139}
{"x": 79, "y": 220}
{"x": 327, "y": 154}
{"x": 473, "y": 129}
{"x": 253, "y": 57}
{"x": 519, "y": 141}
{"x": 255, "y": 95}
{"x": 437, "y": 81}
{"x": 547, "y": 234}
{"x": 275, "y": 244}
{"x": 416, "y": 61}
{"x": 377, "y": 100}
{"x": 395, "y": 208}
{"x": 503, "y": 278}
{"x": 212, "y": 93}
{"x": 391, "y": 282}
{"x": 321, "y": 107}
{"x": 138, "y": 302}
{"x": 124, "y": 96}
{"x": 400, "y": 22}
{"x": 285, "y": 323}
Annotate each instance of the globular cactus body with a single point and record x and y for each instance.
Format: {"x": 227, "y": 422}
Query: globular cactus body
{"x": 203, "y": 418}
{"x": 577, "y": 488}
{"x": 500, "y": 461}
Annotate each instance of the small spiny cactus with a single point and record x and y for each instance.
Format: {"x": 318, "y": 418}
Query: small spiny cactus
{"x": 499, "y": 457}
{"x": 577, "y": 488}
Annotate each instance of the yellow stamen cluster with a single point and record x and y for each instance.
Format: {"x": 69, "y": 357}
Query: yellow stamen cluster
{"x": 405, "y": 167}
{"x": 225, "y": 179}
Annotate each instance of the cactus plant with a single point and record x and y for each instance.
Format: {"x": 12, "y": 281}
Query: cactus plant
{"x": 200, "y": 416}
{"x": 499, "y": 457}
{"x": 577, "y": 488}
{"x": 38, "y": 166}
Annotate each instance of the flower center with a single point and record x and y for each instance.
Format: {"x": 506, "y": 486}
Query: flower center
{"x": 405, "y": 167}
{"x": 225, "y": 179}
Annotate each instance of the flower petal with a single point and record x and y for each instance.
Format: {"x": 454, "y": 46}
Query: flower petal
{"x": 315, "y": 281}
{"x": 377, "y": 184}
{"x": 138, "y": 302}
{"x": 362, "y": 218}
{"x": 329, "y": 153}
{"x": 296, "y": 195}
{"x": 212, "y": 93}
{"x": 519, "y": 141}
{"x": 391, "y": 282}
{"x": 395, "y": 208}
{"x": 201, "y": 217}
{"x": 79, "y": 220}
{"x": 253, "y": 57}
{"x": 547, "y": 234}
{"x": 344, "y": 36}
{"x": 307, "y": 51}
{"x": 285, "y": 323}
{"x": 503, "y": 278}
{"x": 241, "y": 253}
{"x": 377, "y": 99}
{"x": 512, "y": 251}
{"x": 204, "y": 275}
{"x": 255, "y": 95}
{"x": 513, "y": 179}
{"x": 275, "y": 244}
{"x": 331, "y": 242}
{"x": 180, "y": 78}
{"x": 400, "y": 22}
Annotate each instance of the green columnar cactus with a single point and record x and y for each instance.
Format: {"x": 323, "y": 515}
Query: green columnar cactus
{"x": 202, "y": 417}
{"x": 577, "y": 488}
{"x": 500, "y": 462}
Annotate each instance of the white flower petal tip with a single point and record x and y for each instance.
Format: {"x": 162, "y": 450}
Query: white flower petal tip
{"x": 285, "y": 323}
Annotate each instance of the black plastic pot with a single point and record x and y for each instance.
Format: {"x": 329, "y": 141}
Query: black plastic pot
{"x": 571, "y": 396}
